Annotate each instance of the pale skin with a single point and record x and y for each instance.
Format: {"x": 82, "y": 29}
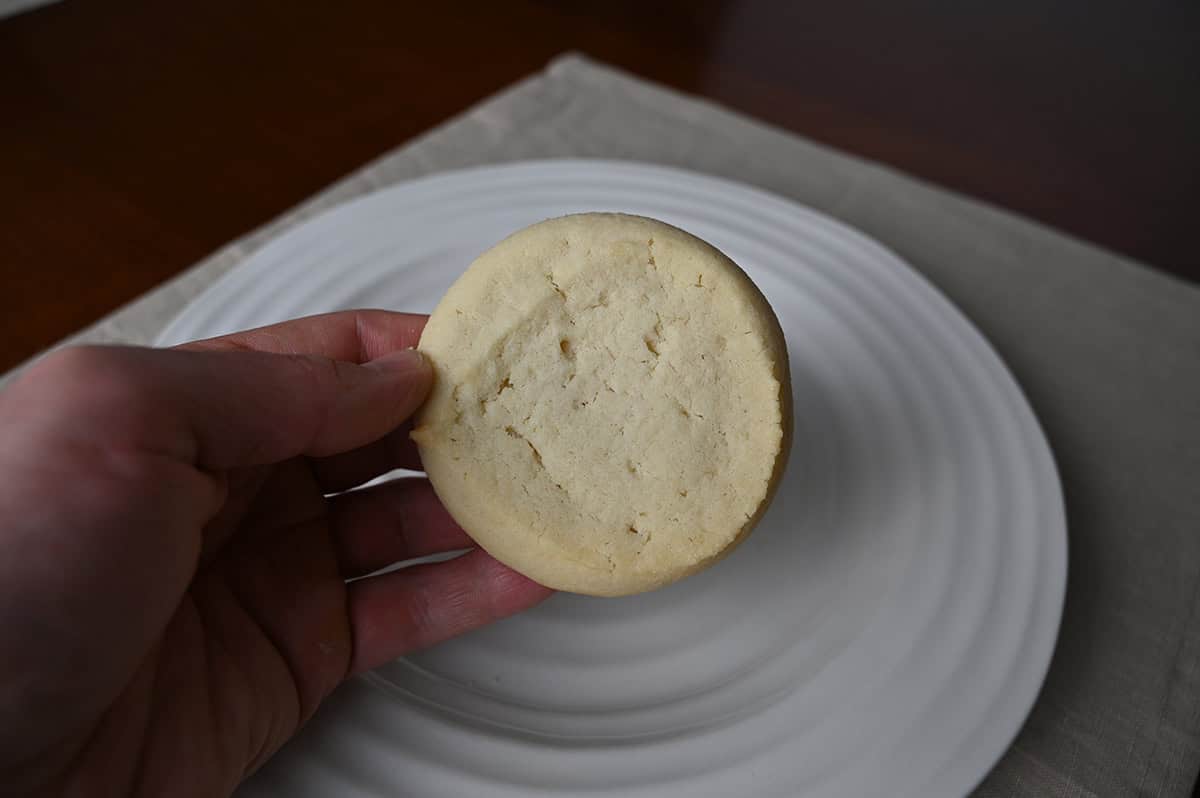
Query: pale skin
{"x": 174, "y": 601}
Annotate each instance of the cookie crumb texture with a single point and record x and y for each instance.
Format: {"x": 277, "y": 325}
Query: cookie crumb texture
{"x": 611, "y": 406}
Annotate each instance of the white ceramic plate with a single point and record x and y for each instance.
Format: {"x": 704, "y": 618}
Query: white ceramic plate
{"x": 883, "y": 632}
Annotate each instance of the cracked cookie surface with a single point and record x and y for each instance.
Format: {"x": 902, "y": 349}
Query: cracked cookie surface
{"x": 612, "y": 410}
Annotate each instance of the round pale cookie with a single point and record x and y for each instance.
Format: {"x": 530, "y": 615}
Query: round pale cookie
{"x": 612, "y": 407}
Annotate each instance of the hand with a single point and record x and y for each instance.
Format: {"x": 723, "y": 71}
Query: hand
{"x": 173, "y": 603}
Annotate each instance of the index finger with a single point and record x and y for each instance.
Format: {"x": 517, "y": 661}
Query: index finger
{"x": 354, "y": 336}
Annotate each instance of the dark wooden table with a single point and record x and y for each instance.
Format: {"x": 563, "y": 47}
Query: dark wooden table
{"x": 138, "y": 136}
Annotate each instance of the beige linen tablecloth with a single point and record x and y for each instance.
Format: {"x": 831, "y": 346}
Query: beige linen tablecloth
{"x": 1107, "y": 350}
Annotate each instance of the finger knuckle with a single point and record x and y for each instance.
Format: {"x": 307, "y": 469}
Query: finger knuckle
{"x": 92, "y": 380}
{"x": 316, "y": 371}
{"x": 317, "y": 376}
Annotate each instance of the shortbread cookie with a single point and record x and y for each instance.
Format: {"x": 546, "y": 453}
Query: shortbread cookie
{"x": 612, "y": 408}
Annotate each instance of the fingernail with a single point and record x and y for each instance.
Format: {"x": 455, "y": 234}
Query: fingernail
{"x": 402, "y": 360}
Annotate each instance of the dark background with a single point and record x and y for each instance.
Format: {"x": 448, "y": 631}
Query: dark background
{"x": 139, "y": 136}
